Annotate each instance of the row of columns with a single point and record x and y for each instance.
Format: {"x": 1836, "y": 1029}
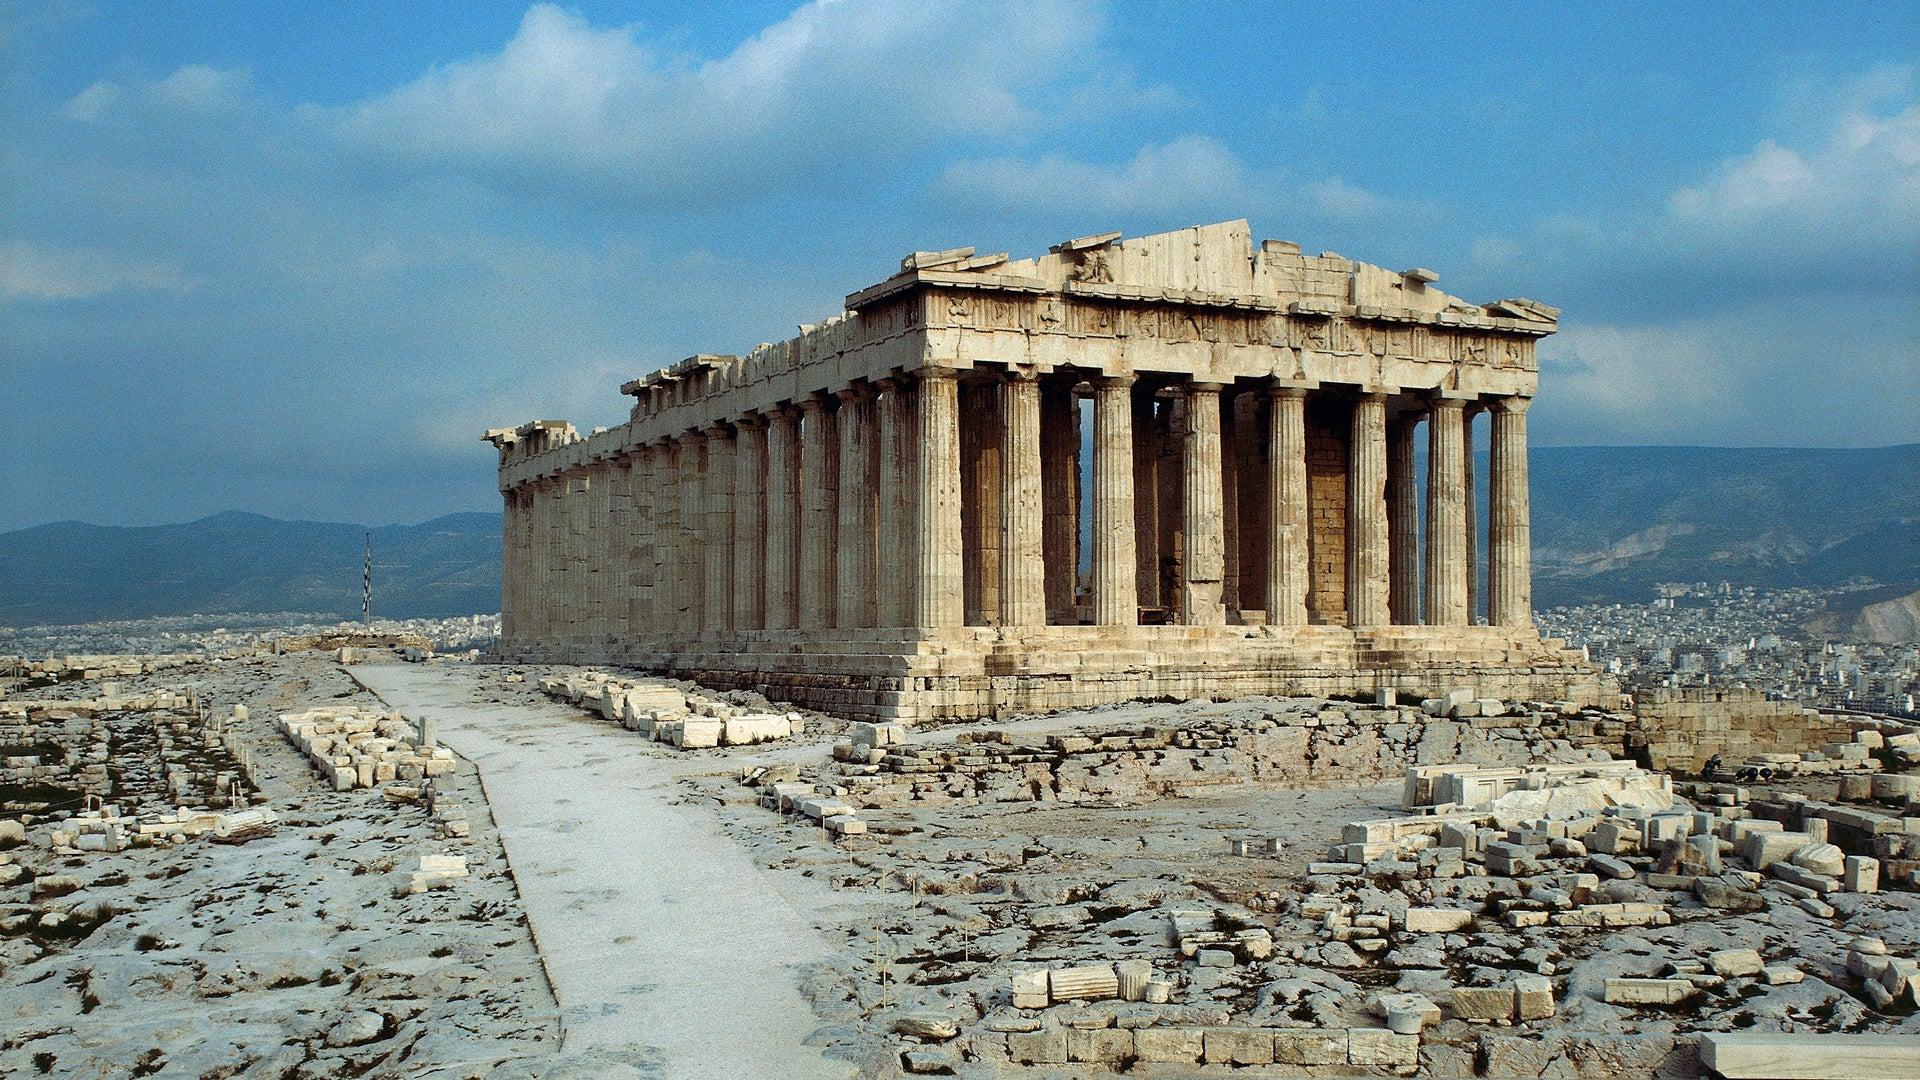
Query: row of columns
{"x": 848, "y": 513}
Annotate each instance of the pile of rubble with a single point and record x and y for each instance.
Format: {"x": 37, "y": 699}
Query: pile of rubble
{"x": 1299, "y": 741}
{"x": 106, "y": 829}
{"x": 672, "y": 712}
{"x": 161, "y": 747}
{"x": 95, "y": 666}
{"x": 353, "y": 748}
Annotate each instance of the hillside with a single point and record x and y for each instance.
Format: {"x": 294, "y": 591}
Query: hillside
{"x": 71, "y": 571}
{"x": 1608, "y": 522}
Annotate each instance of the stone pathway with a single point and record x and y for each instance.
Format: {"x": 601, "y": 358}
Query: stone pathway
{"x": 665, "y": 943}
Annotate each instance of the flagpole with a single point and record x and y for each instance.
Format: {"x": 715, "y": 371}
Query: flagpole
{"x": 366, "y": 595}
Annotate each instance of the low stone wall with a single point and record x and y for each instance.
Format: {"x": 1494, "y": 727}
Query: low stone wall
{"x": 1289, "y": 742}
{"x": 1683, "y": 728}
{"x": 50, "y": 755}
{"x": 987, "y": 673}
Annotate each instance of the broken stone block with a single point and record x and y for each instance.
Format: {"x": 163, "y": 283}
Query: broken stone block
{"x": 1309, "y": 1046}
{"x": 1533, "y": 997}
{"x": 926, "y": 1025}
{"x": 1030, "y": 991}
{"x": 1862, "y": 874}
{"x": 1407, "y": 1014}
{"x": 1381, "y": 1047}
{"x": 1436, "y": 920}
{"x": 929, "y": 1061}
{"x": 1735, "y": 963}
{"x": 1093, "y": 982}
{"x": 1608, "y": 866}
{"x": 1482, "y": 1002}
{"x": 1047, "y": 1046}
{"x": 1237, "y": 1046}
{"x": 1648, "y": 991}
{"x": 1165, "y": 1045}
{"x": 1763, "y": 849}
{"x": 1781, "y": 975}
{"x": 1823, "y": 859}
{"x": 1132, "y": 977}
{"x": 1158, "y": 992}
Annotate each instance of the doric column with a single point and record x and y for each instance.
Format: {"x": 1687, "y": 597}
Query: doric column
{"x": 1473, "y": 514}
{"x": 1230, "y": 504}
{"x": 693, "y": 528}
{"x": 667, "y": 623}
{"x": 1446, "y": 584}
{"x": 509, "y": 560}
{"x": 599, "y": 561}
{"x": 1060, "y": 494}
{"x": 645, "y": 481}
{"x": 579, "y": 579}
{"x": 1403, "y": 522}
{"x": 783, "y": 519}
{"x": 1023, "y": 597}
{"x": 937, "y": 590}
{"x": 1202, "y": 560}
{"x": 1367, "y": 554}
{"x": 1146, "y": 498}
{"x": 749, "y": 524}
{"x": 1116, "y": 572}
{"x": 895, "y": 513}
{"x": 1286, "y": 598}
{"x": 857, "y": 552}
{"x": 718, "y": 617}
{"x": 1509, "y": 535}
{"x": 819, "y": 504}
{"x": 981, "y": 474}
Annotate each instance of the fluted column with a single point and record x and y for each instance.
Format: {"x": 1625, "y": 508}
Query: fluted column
{"x": 1116, "y": 572}
{"x": 895, "y": 512}
{"x": 1146, "y": 499}
{"x": 1060, "y": 494}
{"x": 598, "y": 593}
{"x": 693, "y": 528}
{"x": 857, "y": 552}
{"x": 1473, "y": 514}
{"x": 1509, "y": 534}
{"x": 937, "y": 592}
{"x": 1367, "y": 552}
{"x": 509, "y": 560}
{"x": 1286, "y": 598}
{"x": 1202, "y": 562}
{"x": 646, "y": 482}
{"x": 1023, "y": 597}
{"x": 749, "y": 524}
{"x": 717, "y": 617}
{"x": 579, "y": 558}
{"x": 819, "y": 467}
{"x": 1447, "y": 566}
{"x": 1403, "y": 522}
{"x": 783, "y": 519}
{"x": 1229, "y": 506}
{"x": 666, "y": 541}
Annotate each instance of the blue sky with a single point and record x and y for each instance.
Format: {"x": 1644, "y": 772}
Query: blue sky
{"x": 292, "y": 258}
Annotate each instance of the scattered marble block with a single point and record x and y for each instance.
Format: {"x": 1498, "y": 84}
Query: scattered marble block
{"x": 1748, "y": 1054}
{"x": 1862, "y": 874}
{"x": 1648, "y": 991}
{"x": 1735, "y": 963}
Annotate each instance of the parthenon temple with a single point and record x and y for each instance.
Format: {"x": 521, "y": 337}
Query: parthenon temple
{"x": 1179, "y": 465}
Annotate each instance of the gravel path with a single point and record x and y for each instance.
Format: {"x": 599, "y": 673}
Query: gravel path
{"x": 664, "y": 941}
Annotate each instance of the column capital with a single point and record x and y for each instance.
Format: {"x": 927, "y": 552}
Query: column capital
{"x": 750, "y": 421}
{"x": 1282, "y": 391}
{"x": 1514, "y": 404}
{"x": 1102, "y": 380}
{"x": 1204, "y": 387}
{"x": 935, "y": 373}
{"x": 1371, "y": 396}
{"x": 854, "y": 392}
{"x": 719, "y": 430}
{"x": 811, "y": 403}
{"x": 1447, "y": 403}
{"x": 1020, "y": 373}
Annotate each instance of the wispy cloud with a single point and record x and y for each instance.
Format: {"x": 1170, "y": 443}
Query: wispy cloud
{"x": 1193, "y": 174}
{"x": 832, "y": 88}
{"x": 31, "y": 272}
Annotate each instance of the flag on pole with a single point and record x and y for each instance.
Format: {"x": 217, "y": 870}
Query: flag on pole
{"x": 366, "y": 595}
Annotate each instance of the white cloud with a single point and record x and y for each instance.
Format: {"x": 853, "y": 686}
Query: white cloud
{"x": 1192, "y": 174}
{"x": 193, "y": 88}
{"x": 836, "y": 83}
{"x": 31, "y": 272}
{"x": 1865, "y": 175}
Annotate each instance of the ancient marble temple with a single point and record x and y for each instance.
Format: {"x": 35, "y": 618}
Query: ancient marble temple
{"x": 1179, "y": 465}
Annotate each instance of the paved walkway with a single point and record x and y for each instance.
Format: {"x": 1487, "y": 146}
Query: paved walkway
{"x": 662, "y": 938}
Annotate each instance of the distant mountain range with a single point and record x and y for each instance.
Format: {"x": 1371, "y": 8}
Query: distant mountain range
{"x": 1608, "y": 522}
{"x": 70, "y": 571}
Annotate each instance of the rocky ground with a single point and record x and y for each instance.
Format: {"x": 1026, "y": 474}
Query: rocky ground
{"x": 290, "y": 955}
{"x": 285, "y": 956}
